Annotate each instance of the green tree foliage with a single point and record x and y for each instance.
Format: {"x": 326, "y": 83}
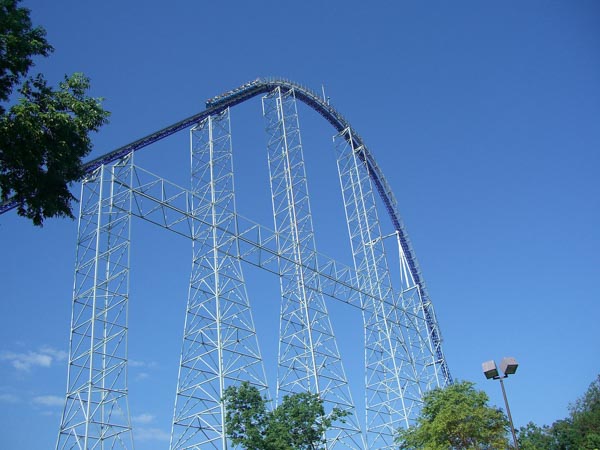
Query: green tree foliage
{"x": 298, "y": 423}
{"x": 533, "y": 437}
{"x": 19, "y": 43}
{"x": 579, "y": 431}
{"x": 245, "y": 415}
{"x": 44, "y": 136}
{"x": 585, "y": 417}
{"x": 456, "y": 417}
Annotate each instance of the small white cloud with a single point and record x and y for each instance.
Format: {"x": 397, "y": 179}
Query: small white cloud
{"x": 143, "y": 418}
{"x": 58, "y": 355}
{"x": 142, "y": 376}
{"x": 9, "y": 398}
{"x": 151, "y": 434}
{"x": 26, "y": 360}
{"x": 136, "y": 363}
{"x": 49, "y": 400}
{"x": 118, "y": 413}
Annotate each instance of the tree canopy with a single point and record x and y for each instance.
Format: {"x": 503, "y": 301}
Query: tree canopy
{"x": 298, "y": 423}
{"x": 45, "y": 135}
{"x": 456, "y": 417}
{"x": 581, "y": 430}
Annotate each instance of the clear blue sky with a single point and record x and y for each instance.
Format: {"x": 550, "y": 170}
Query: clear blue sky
{"x": 484, "y": 117}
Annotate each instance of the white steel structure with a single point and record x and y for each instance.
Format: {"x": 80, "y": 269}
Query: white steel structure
{"x": 309, "y": 359}
{"x": 399, "y": 360}
{"x": 401, "y": 343}
{"x": 96, "y": 414}
{"x": 220, "y": 347}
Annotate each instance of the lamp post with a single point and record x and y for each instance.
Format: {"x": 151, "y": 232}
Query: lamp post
{"x": 508, "y": 366}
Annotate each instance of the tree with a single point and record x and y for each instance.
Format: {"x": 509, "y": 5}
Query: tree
{"x": 245, "y": 415}
{"x": 456, "y": 417}
{"x": 533, "y": 437}
{"x": 585, "y": 417}
{"x": 43, "y": 137}
{"x": 581, "y": 430}
{"x": 299, "y": 423}
{"x": 19, "y": 42}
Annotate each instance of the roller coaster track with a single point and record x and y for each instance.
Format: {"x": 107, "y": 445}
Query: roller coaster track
{"x": 260, "y": 86}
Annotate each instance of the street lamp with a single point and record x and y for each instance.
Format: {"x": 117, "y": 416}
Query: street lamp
{"x": 508, "y": 366}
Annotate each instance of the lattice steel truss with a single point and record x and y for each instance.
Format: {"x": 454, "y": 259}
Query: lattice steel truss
{"x": 309, "y": 359}
{"x": 220, "y": 348}
{"x": 400, "y": 361}
{"x": 96, "y": 413}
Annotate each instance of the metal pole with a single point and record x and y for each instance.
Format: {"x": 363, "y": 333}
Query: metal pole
{"x": 512, "y": 427}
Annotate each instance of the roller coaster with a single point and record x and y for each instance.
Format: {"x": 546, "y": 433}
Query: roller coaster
{"x": 402, "y": 346}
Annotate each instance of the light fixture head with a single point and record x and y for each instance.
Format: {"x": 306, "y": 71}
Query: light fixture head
{"x": 508, "y": 365}
{"x": 489, "y": 369}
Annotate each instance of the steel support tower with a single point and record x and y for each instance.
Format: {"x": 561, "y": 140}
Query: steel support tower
{"x": 400, "y": 364}
{"x": 220, "y": 347}
{"x": 309, "y": 359}
{"x": 403, "y": 357}
{"x": 96, "y": 413}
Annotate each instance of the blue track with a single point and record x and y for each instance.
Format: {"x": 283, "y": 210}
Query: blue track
{"x": 259, "y": 86}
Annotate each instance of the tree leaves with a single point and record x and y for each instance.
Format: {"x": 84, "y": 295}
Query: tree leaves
{"x": 581, "y": 430}
{"x": 299, "y": 423}
{"x": 43, "y": 137}
{"x": 246, "y": 415}
{"x": 19, "y": 42}
{"x": 456, "y": 417}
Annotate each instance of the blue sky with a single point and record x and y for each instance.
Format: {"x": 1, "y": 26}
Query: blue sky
{"x": 483, "y": 117}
